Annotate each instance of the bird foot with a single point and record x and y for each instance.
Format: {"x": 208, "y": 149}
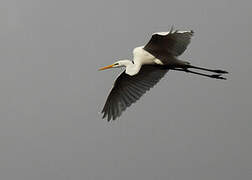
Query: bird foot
{"x": 219, "y": 71}
{"x": 218, "y": 76}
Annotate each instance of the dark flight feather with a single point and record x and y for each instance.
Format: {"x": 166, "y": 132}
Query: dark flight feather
{"x": 128, "y": 89}
{"x": 164, "y": 47}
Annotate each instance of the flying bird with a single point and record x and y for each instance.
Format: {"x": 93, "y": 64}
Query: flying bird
{"x": 150, "y": 63}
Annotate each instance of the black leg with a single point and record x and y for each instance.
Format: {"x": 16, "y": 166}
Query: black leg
{"x": 215, "y": 76}
{"x": 219, "y": 71}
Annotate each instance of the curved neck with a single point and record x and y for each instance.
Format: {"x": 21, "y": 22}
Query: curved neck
{"x": 132, "y": 68}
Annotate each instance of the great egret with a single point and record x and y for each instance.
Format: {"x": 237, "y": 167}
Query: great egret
{"x": 150, "y": 63}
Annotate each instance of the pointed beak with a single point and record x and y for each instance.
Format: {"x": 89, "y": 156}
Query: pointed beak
{"x": 106, "y": 67}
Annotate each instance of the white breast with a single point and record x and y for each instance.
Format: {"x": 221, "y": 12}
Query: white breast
{"x": 143, "y": 57}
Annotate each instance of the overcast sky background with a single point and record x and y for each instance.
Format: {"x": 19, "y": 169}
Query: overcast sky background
{"x": 186, "y": 128}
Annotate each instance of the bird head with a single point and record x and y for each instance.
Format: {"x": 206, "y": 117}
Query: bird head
{"x": 117, "y": 64}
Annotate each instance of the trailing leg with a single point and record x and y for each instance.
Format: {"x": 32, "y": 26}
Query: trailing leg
{"x": 219, "y": 71}
{"x": 215, "y": 76}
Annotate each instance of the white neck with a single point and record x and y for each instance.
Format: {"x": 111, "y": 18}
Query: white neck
{"x": 132, "y": 68}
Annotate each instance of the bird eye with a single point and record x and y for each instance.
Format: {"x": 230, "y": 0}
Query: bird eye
{"x": 116, "y": 64}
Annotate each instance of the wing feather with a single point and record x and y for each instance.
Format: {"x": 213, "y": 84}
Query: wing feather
{"x": 128, "y": 89}
{"x": 173, "y": 43}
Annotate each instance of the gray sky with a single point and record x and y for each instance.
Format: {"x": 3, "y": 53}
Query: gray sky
{"x": 186, "y": 128}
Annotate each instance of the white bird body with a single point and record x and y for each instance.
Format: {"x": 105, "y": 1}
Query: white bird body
{"x": 144, "y": 57}
{"x": 140, "y": 57}
{"x": 150, "y": 63}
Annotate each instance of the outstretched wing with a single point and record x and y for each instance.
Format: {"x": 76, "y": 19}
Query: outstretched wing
{"x": 166, "y": 44}
{"x": 128, "y": 89}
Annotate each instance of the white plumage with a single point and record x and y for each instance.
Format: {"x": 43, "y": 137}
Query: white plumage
{"x": 150, "y": 63}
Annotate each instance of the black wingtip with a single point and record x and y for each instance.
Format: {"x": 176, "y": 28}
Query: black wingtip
{"x": 106, "y": 115}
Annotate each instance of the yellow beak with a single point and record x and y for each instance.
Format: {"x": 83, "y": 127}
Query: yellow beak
{"x": 106, "y": 67}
